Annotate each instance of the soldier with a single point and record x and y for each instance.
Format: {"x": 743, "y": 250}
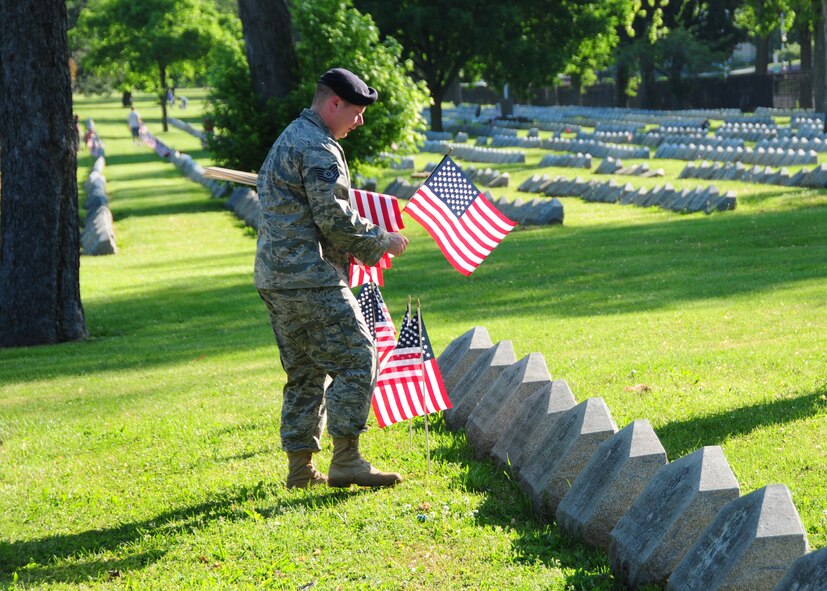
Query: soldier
{"x": 306, "y": 230}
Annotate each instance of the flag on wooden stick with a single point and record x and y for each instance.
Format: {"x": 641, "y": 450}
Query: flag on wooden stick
{"x": 410, "y": 383}
{"x": 378, "y": 319}
{"x": 382, "y": 210}
{"x": 465, "y": 225}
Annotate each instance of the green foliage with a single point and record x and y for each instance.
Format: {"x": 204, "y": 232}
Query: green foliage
{"x": 139, "y": 44}
{"x": 577, "y": 38}
{"x": 330, "y": 33}
{"x": 333, "y": 33}
{"x": 244, "y": 128}
{"x": 468, "y": 37}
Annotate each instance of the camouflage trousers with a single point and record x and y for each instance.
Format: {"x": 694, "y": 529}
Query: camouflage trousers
{"x": 322, "y": 336}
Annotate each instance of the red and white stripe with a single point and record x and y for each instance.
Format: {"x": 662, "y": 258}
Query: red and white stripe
{"x": 465, "y": 241}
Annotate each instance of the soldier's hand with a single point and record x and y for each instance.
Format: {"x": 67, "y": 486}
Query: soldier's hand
{"x": 398, "y": 244}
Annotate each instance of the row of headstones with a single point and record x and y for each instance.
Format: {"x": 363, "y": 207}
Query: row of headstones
{"x": 594, "y": 116}
{"x": 769, "y": 157}
{"x": 596, "y": 149}
{"x": 793, "y": 143}
{"x": 815, "y": 178}
{"x": 98, "y": 234}
{"x": 655, "y": 138}
{"x": 681, "y": 117}
{"x": 184, "y": 162}
{"x": 488, "y": 177}
{"x": 187, "y": 127}
{"x": 806, "y": 119}
{"x": 578, "y": 160}
{"x": 683, "y": 524}
{"x": 785, "y": 112}
{"x": 808, "y": 131}
{"x": 475, "y": 154}
{"x": 398, "y": 162}
{"x": 612, "y": 137}
{"x": 476, "y": 129}
{"x": 706, "y": 199}
{"x": 553, "y": 126}
{"x": 612, "y": 166}
{"x": 503, "y": 141}
{"x": 537, "y": 212}
{"x": 244, "y": 203}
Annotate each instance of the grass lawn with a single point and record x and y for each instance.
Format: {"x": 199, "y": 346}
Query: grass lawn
{"x": 148, "y": 457}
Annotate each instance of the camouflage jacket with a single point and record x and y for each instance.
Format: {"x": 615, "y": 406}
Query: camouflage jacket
{"x": 307, "y": 228}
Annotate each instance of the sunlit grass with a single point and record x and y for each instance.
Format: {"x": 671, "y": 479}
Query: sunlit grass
{"x": 148, "y": 456}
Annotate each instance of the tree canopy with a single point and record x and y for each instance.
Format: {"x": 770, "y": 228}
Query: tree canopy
{"x": 521, "y": 43}
{"x": 329, "y": 33}
{"x": 140, "y": 43}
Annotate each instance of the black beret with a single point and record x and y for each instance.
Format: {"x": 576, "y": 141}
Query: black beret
{"x": 349, "y": 86}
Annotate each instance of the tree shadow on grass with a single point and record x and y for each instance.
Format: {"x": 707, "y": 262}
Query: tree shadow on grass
{"x": 162, "y": 327}
{"x": 137, "y": 158}
{"x": 44, "y": 560}
{"x": 680, "y": 438}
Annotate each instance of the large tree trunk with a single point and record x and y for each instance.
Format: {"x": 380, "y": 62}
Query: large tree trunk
{"x": 162, "y": 69}
{"x": 39, "y": 237}
{"x": 762, "y": 54}
{"x": 621, "y": 99}
{"x": 805, "y": 90}
{"x": 436, "y": 112}
{"x": 647, "y": 83}
{"x": 268, "y": 36}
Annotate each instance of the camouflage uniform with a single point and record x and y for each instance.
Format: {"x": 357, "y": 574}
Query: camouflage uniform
{"x": 306, "y": 232}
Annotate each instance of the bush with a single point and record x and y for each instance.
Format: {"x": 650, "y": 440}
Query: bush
{"x": 330, "y": 33}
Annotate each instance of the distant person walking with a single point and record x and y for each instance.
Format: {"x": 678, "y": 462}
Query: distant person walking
{"x": 134, "y": 121}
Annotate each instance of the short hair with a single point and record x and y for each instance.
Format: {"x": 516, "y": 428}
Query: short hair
{"x": 323, "y": 92}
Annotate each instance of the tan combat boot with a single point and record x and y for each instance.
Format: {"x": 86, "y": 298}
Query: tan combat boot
{"x": 301, "y": 473}
{"x": 349, "y": 467}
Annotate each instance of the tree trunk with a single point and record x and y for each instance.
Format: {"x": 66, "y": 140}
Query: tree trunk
{"x": 824, "y": 81}
{"x": 268, "y": 36}
{"x": 818, "y": 63}
{"x": 647, "y": 84}
{"x": 436, "y": 112}
{"x": 162, "y": 69}
{"x": 762, "y": 54}
{"x": 621, "y": 82}
{"x": 805, "y": 90}
{"x": 39, "y": 237}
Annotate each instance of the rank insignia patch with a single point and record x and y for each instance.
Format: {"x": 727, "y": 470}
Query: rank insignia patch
{"x": 328, "y": 175}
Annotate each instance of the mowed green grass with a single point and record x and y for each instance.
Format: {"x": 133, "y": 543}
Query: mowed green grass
{"x": 148, "y": 457}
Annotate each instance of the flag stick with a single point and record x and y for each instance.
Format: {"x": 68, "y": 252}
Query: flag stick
{"x": 410, "y": 423}
{"x": 422, "y": 385}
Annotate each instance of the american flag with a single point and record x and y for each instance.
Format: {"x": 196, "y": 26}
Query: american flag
{"x": 378, "y": 319}
{"x": 382, "y": 210}
{"x": 465, "y": 225}
{"x": 410, "y": 383}
{"x": 153, "y": 142}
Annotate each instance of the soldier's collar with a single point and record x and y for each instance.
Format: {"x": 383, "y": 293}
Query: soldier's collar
{"x": 317, "y": 120}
